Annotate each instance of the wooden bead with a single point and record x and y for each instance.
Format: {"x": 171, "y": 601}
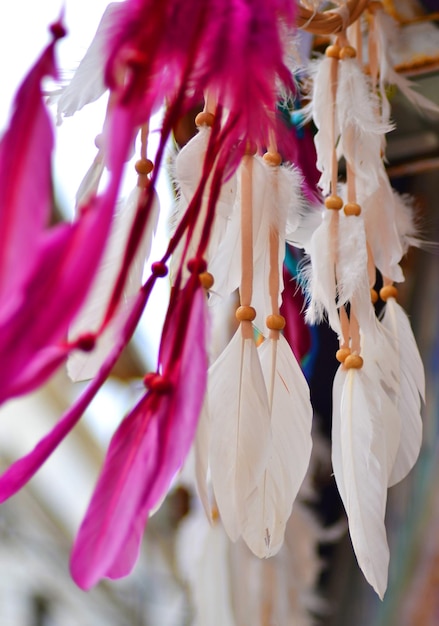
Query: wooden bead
{"x": 272, "y": 158}
{"x": 144, "y": 166}
{"x": 348, "y": 52}
{"x": 251, "y": 148}
{"x": 334, "y": 203}
{"x": 389, "y": 291}
{"x": 206, "y": 280}
{"x": 245, "y": 314}
{"x": 374, "y": 296}
{"x": 353, "y": 362}
{"x": 204, "y": 119}
{"x": 333, "y": 51}
{"x": 342, "y": 354}
{"x": 352, "y": 208}
{"x": 275, "y": 322}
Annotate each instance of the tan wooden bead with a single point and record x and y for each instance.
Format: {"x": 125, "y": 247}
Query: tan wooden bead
{"x": 348, "y": 52}
{"x": 272, "y": 158}
{"x": 352, "y": 208}
{"x": 251, "y": 148}
{"x": 389, "y": 291}
{"x": 245, "y": 313}
{"x": 335, "y": 203}
{"x": 206, "y": 280}
{"x": 144, "y": 166}
{"x": 275, "y": 322}
{"x": 353, "y": 362}
{"x": 374, "y": 296}
{"x": 204, "y": 119}
{"x": 333, "y": 51}
{"x": 342, "y": 354}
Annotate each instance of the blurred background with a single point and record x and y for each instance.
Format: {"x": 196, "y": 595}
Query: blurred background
{"x": 324, "y": 585}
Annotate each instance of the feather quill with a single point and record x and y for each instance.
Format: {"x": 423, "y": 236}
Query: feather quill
{"x": 270, "y": 505}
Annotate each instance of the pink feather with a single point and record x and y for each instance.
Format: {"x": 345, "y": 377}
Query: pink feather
{"x": 20, "y": 472}
{"x": 25, "y": 181}
{"x": 146, "y": 451}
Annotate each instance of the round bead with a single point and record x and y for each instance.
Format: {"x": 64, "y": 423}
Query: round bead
{"x": 99, "y": 141}
{"x": 251, "y": 148}
{"x": 245, "y": 314}
{"x": 333, "y": 51}
{"x": 352, "y": 208}
{"x": 197, "y": 266}
{"x": 374, "y": 296}
{"x": 204, "y": 119}
{"x": 275, "y": 322}
{"x": 353, "y": 362}
{"x": 159, "y": 269}
{"x": 342, "y": 354}
{"x": 86, "y": 342}
{"x": 144, "y": 166}
{"x": 58, "y": 30}
{"x": 389, "y": 291}
{"x": 156, "y": 382}
{"x": 272, "y": 158}
{"x": 334, "y": 203}
{"x": 206, "y": 280}
{"x": 348, "y": 52}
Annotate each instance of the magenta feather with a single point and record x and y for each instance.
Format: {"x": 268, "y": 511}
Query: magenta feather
{"x": 20, "y": 472}
{"x": 146, "y": 451}
{"x": 25, "y": 180}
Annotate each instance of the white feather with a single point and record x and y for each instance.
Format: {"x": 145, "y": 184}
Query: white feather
{"x": 203, "y": 561}
{"x": 90, "y": 183}
{"x": 361, "y": 131}
{"x": 201, "y": 449}
{"x": 188, "y": 173}
{"x": 240, "y": 429}
{"x": 282, "y": 198}
{"x": 321, "y": 276}
{"x": 225, "y": 265}
{"x": 352, "y": 258}
{"x": 363, "y": 478}
{"x": 381, "y": 219}
{"x": 270, "y": 505}
{"x": 87, "y": 84}
{"x": 80, "y": 365}
{"x": 411, "y": 389}
{"x": 321, "y": 109}
{"x": 388, "y": 32}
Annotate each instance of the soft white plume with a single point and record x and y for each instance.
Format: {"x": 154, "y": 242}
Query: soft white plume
{"x": 270, "y": 505}
{"x": 360, "y": 466}
{"x": 87, "y": 84}
{"x": 240, "y": 429}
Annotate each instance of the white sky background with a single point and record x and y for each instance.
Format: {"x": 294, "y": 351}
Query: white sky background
{"x": 23, "y": 35}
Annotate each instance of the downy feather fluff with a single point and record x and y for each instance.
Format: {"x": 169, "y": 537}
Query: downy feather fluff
{"x": 270, "y": 505}
{"x": 240, "y": 430}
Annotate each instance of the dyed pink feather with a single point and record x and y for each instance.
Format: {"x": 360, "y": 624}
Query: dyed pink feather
{"x": 55, "y": 276}
{"x": 25, "y": 181}
{"x": 147, "y": 450}
{"x": 20, "y": 472}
